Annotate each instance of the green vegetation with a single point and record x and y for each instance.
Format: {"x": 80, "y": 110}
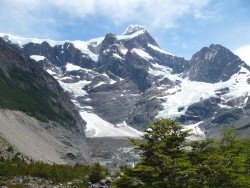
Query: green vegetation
{"x": 169, "y": 159}
{"x": 97, "y": 173}
{"x": 22, "y": 92}
{"x": 56, "y": 173}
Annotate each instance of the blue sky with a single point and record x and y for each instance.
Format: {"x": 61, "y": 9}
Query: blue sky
{"x": 181, "y": 27}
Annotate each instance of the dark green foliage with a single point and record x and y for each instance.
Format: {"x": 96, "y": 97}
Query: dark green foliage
{"x": 97, "y": 173}
{"x": 169, "y": 159}
{"x": 10, "y": 149}
{"x": 56, "y": 173}
{"x": 33, "y": 101}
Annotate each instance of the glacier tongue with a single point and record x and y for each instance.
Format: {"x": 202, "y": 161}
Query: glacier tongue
{"x": 98, "y": 127}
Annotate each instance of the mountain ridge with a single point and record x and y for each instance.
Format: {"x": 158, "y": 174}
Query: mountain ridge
{"x": 131, "y": 71}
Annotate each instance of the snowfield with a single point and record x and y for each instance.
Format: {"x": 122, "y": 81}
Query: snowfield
{"x": 192, "y": 92}
{"x": 97, "y": 127}
{"x": 189, "y": 92}
{"x": 83, "y": 46}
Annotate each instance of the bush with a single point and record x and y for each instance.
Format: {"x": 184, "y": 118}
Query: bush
{"x": 97, "y": 173}
{"x": 56, "y": 173}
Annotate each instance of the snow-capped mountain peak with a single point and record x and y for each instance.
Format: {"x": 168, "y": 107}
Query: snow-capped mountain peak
{"x": 130, "y": 78}
{"x": 131, "y": 29}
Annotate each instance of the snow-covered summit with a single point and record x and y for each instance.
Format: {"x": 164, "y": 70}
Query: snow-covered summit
{"x": 134, "y": 28}
{"x": 22, "y": 40}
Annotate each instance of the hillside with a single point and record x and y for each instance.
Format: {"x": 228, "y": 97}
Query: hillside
{"x": 37, "y": 117}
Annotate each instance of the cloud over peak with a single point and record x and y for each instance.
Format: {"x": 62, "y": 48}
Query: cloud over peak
{"x": 32, "y": 14}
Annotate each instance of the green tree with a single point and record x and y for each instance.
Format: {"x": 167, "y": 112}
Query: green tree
{"x": 98, "y": 173}
{"x": 220, "y": 164}
{"x": 169, "y": 159}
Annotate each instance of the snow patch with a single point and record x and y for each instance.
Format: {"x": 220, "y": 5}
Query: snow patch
{"x": 98, "y": 127}
{"x": 159, "y": 49}
{"x": 37, "y": 57}
{"x": 99, "y": 84}
{"x": 124, "y": 51}
{"x": 189, "y": 92}
{"x": 75, "y": 88}
{"x": 22, "y": 41}
{"x": 71, "y": 67}
{"x": 117, "y": 56}
{"x": 197, "y": 133}
{"x": 141, "y": 53}
{"x": 134, "y": 28}
{"x": 51, "y": 72}
{"x": 83, "y": 46}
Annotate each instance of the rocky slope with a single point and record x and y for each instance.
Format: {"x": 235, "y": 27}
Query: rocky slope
{"x": 37, "y": 117}
{"x": 124, "y": 81}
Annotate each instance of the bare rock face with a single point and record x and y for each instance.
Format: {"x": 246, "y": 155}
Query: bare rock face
{"x": 60, "y": 55}
{"x": 37, "y": 116}
{"x": 214, "y": 64}
{"x": 130, "y": 78}
{"x": 30, "y": 82}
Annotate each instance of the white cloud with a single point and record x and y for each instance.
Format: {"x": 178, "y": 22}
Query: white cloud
{"x": 244, "y": 53}
{"x": 35, "y": 14}
{"x": 157, "y": 13}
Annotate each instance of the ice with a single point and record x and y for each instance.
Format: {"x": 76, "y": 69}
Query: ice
{"x": 141, "y": 53}
{"x": 99, "y": 84}
{"x": 134, "y": 28}
{"x": 83, "y": 46}
{"x": 72, "y": 67}
{"x": 75, "y": 88}
{"x": 51, "y": 72}
{"x": 98, "y": 127}
{"x": 37, "y": 57}
{"x": 197, "y": 133}
{"x": 117, "y": 56}
{"x": 22, "y": 41}
{"x": 189, "y": 92}
{"x": 159, "y": 49}
{"x": 127, "y": 37}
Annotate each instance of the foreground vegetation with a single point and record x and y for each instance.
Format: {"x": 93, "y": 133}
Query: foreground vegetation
{"x": 169, "y": 159}
{"x": 56, "y": 173}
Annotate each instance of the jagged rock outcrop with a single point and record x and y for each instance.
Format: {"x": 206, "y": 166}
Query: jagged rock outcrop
{"x": 37, "y": 117}
{"x": 214, "y": 64}
{"x": 130, "y": 78}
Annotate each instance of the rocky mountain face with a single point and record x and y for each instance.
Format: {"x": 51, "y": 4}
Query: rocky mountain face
{"x": 45, "y": 99}
{"x": 214, "y": 64}
{"x": 124, "y": 81}
{"x": 36, "y": 116}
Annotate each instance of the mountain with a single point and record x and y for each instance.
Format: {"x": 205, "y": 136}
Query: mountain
{"x": 214, "y": 64}
{"x": 122, "y": 82}
{"x": 42, "y": 96}
{"x": 37, "y": 117}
